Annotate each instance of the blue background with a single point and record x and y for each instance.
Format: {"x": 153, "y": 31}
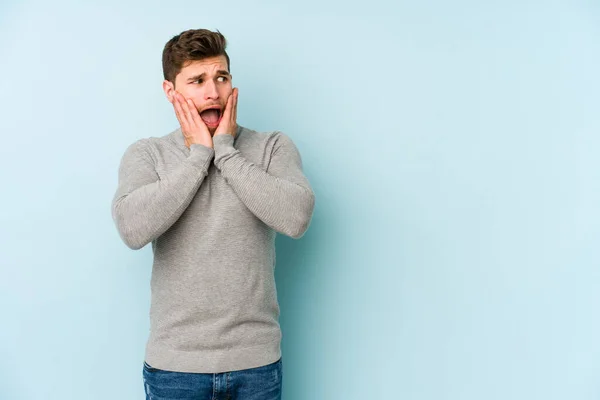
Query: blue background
{"x": 453, "y": 149}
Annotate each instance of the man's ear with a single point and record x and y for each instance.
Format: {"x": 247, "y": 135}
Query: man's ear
{"x": 169, "y": 90}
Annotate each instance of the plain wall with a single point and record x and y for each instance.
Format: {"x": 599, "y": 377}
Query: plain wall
{"x": 453, "y": 149}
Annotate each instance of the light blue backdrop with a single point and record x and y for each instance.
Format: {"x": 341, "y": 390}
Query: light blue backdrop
{"x": 453, "y": 148}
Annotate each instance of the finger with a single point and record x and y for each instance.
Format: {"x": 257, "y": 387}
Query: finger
{"x": 186, "y": 110}
{"x": 196, "y": 120}
{"x": 181, "y": 114}
{"x": 227, "y": 113}
{"x": 235, "y": 102}
{"x": 177, "y": 108}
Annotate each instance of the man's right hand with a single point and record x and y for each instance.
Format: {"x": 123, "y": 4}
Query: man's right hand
{"x": 193, "y": 128}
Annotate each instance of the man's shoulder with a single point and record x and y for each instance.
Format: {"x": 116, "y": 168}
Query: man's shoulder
{"x": 267, "y": 138}
{"x": 266, "y": 142}
{"x": 169, "y": 138}
{"x": 244, "y": 131}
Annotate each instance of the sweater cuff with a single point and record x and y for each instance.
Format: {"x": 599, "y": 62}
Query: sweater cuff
{"x": 201, "y": 155}
{"x": 223, "y": 145}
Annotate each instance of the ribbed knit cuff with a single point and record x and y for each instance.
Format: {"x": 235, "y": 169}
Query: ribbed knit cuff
{"x": 201, "y": 155}
{"x": 223, "y": 145}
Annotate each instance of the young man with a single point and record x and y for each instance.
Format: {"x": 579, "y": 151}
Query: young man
{"x": 210, "y": 197}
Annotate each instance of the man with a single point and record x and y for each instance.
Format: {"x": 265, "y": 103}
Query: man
{"x": 210, "y": 197}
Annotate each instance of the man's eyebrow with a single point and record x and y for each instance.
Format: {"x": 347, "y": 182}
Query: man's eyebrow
{"x": 202, "y": 75}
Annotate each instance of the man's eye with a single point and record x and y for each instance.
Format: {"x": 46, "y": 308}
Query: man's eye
{"x": 224, "y": 79}
{"x": 198, "y": 81}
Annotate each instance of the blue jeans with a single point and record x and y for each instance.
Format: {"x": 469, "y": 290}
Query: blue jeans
{"x": 260, "y": 383}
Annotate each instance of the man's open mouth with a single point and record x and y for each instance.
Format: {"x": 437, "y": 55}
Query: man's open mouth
{"x": 211, "y": 116}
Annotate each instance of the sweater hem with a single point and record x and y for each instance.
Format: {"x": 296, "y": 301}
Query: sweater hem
{"x": 213, "y": 361}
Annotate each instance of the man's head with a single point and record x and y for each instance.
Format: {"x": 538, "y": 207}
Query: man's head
{"x": 196, "y": 65}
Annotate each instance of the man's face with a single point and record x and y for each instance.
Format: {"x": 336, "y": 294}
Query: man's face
{"x": 207, "y": 83}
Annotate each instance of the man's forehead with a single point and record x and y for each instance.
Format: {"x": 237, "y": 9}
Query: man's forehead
{"x": 209, "y": 66}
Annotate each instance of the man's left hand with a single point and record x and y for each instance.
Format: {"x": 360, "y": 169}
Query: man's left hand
{"x": 228, "y": 124}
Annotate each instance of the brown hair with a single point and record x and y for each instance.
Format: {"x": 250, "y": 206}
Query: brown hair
{"x": 191, "y": 45}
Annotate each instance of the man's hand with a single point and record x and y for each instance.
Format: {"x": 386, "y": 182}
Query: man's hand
{"x": 193, "y": 128}
{"x": 228, "y": 123}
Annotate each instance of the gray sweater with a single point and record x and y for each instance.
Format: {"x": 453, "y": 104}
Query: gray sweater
{"x": 212, "y": 217}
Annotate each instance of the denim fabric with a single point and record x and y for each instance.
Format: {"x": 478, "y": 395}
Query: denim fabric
{"x": 260, "y": 383}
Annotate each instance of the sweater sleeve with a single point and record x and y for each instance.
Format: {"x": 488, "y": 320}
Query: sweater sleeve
{"x": 146, "y": 205}
{"x": 281, "y": 195}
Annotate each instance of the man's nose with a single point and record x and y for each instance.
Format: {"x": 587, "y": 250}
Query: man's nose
{"x": 210, "y": 90}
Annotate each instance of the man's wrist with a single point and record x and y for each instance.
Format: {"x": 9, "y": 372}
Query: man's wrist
{"x": 223, "y": 147}
{"x": 189, "y": 143}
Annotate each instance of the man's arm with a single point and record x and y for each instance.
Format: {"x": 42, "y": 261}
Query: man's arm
{"x": 280, "y": 196}
{"x": 144, "y": 205}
